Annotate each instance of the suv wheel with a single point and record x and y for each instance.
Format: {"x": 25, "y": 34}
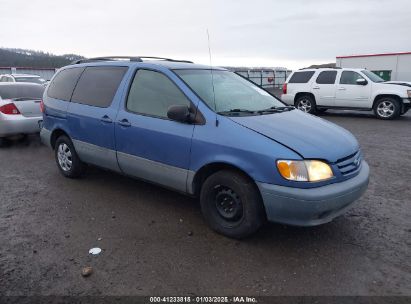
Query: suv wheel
{"x": 306, "y": 104}
{"x": 67, "y": 159}
{"x": 387, "y": 108}
{"x": 3, "y": 142}
{"x": 231, "y": 204}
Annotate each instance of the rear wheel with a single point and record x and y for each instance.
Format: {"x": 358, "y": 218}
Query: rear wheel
{"x": 67, "y": 159}
{"x": 3, "y": 142}
{"x": 306, "y": 103}
{"x": 231, "y": 204}
{"x": 387, "y": 108}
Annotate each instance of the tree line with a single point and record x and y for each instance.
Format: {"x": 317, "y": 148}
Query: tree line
{"x": 37, "y": 59}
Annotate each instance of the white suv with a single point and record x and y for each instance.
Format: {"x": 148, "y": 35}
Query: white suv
{"x": 316, "y": 90}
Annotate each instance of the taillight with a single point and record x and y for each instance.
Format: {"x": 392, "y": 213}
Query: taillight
{"x": 42, "y": 108}
{"x": 9, "y": 109}
{"x": 285, "y": 88}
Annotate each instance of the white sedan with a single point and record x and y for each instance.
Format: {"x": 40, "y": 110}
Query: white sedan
{"x": 20, "y": 111}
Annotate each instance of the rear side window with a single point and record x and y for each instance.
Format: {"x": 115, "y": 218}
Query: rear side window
{"x": 327, "y": 77}
{"x": 63, "y": 84}
{"x": 152, "y": 93}
{"x": 349, "y": 77}
{"x": 301, "y": 77}
{"x": 98, "y": 85}
{"x": 16, "y": 91}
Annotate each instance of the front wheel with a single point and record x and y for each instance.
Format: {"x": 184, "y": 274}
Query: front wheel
{"x": 67, "y": 159}
{"x": 387, "y": 108}
{"x": 306, "y": 103}
{"x": 231, "y": 204}
{"x": 3, "y": 142}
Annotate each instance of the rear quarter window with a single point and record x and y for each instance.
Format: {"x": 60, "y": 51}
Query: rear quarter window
{"x": 62, "y": 85}
{"x": 98, "y": 85}
{"x": 301, "y": 77}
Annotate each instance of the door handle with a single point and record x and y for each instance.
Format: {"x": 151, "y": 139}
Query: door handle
{"x": 106, "y": 119}
{"x": 341, "y": 89}
{"x": 124, "y": 123}
{"x": 316, "y": 88}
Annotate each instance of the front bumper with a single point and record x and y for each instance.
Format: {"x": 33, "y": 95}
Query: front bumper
{"x": 314, "y": 206}
{"x": 18, "y": 124}
{"x": 406, "y": 105}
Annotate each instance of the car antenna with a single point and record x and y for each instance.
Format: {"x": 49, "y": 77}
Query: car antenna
{"x": 212, "y": 75}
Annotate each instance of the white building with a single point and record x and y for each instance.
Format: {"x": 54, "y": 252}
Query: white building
{"x": 389, "y": 66}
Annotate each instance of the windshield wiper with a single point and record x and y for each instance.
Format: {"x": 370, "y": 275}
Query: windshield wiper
{"x": 237, "y": 111}
{"x": 276, "y": 109}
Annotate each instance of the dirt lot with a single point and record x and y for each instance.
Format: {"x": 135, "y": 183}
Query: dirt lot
{"x": 155, "y": 242}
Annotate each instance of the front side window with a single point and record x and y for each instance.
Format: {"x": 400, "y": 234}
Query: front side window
{"x": 326, "y": 77}
{"x": 350, "y": 77}
{"x": 152, "y": 93}
{"x": 98, "y": 85}
{"x": 225, "y": 91}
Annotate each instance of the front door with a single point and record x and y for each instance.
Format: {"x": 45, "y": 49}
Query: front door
{"x": 350, "y": 94}
{"x": 149, "y": 145}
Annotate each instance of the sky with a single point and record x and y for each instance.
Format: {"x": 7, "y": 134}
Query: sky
{"x": 269, "y": 33}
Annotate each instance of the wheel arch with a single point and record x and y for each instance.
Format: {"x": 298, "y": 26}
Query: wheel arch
{"x": 380, "y": 96}
{"x": 207, "y": 170}
{"x": 300, "y": 94}
{"x": 56, "y": 134}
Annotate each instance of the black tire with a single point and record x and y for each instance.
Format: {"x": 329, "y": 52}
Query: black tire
{"x": 306, "y": 103}
{"x": 68, "y": 162}
{"x": 231, "y": 204}
{"x": 4, "y": 142}
{"x": 387, "y": 108}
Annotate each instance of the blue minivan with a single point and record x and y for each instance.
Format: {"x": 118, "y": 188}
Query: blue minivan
{"x": 206, "y": 132}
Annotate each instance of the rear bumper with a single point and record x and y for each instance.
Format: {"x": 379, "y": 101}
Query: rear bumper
{"x": 45, "y": 136}
{"x": 288, "y": 99}
{"x": 17, "y": 124}
{"x": 315, "y": 206}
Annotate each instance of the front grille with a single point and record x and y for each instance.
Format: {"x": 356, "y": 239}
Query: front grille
{"x": 350, "y": 164}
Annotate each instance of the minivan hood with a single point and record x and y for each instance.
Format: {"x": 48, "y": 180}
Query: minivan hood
{"x": 308, "y": 135}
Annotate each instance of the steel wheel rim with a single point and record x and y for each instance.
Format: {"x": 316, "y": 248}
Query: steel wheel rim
{"x": 304, "y": 105}
{"x": 386, "y": 109}
{"x": 228, "y": 204}
{"x": 64, "y": 157}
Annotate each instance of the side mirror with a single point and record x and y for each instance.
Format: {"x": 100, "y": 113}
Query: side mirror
{"x": 362, "y": 81}
{"x": 179, "y": 113}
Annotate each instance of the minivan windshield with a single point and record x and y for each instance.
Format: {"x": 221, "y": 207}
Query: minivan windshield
{"x": 373, "y": 77}
{"x": 226, "y": 92}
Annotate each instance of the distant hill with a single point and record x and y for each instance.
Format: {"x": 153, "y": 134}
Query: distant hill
{"x": 37, "y": 59}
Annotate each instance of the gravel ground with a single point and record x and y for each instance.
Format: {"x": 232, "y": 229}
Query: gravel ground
{"x": 155, "y": 241}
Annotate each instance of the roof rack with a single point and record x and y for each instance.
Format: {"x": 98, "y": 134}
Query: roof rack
{"x": 317, "y": 68}
{"x": 130, "y": 58}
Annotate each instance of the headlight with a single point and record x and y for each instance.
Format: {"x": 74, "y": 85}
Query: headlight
{"x": 304, "y": 170}
{"x": 409, "y": 93}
